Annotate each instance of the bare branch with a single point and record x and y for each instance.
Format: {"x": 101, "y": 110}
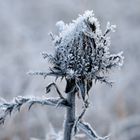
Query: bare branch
{"x": 6, "y": 108}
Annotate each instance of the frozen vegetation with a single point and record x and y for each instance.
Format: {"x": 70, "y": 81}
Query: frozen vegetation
{"x": 24, "y": 27}
{"x": 81, "y": 56}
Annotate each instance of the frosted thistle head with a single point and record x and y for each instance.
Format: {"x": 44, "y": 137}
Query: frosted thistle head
{"x": 82, "y": 53}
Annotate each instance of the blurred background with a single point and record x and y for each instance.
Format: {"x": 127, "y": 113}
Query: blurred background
{"x": 24, "y": 28}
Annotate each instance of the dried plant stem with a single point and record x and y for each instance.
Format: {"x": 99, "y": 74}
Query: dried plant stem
{"x": 70, "y": 116}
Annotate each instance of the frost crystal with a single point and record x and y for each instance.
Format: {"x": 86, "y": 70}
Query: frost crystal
{"x": 82, "y": 50}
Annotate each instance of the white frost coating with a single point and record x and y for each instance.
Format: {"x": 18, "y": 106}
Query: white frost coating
{"x": 72, "y": 30}
{"x": 111, "y": 27}
{"x": 60, "y": 25}
{"x": 70, "y": 72}
{"x": 87, "y": 129}
{"x": 6, "y": 108}
{"x": 121, "y": 61}
{"x": 2, "y": 101}
{"x": 83, "y": 50}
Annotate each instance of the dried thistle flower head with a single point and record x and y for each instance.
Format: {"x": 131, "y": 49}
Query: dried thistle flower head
{"x": 81, "y": 56}
{"x": 82, "y": 52}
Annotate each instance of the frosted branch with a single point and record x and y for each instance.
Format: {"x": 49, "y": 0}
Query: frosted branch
{"x": 44, "y": 74}
{"x": 6, "y": 108}
{"x": 91, "y": 134}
